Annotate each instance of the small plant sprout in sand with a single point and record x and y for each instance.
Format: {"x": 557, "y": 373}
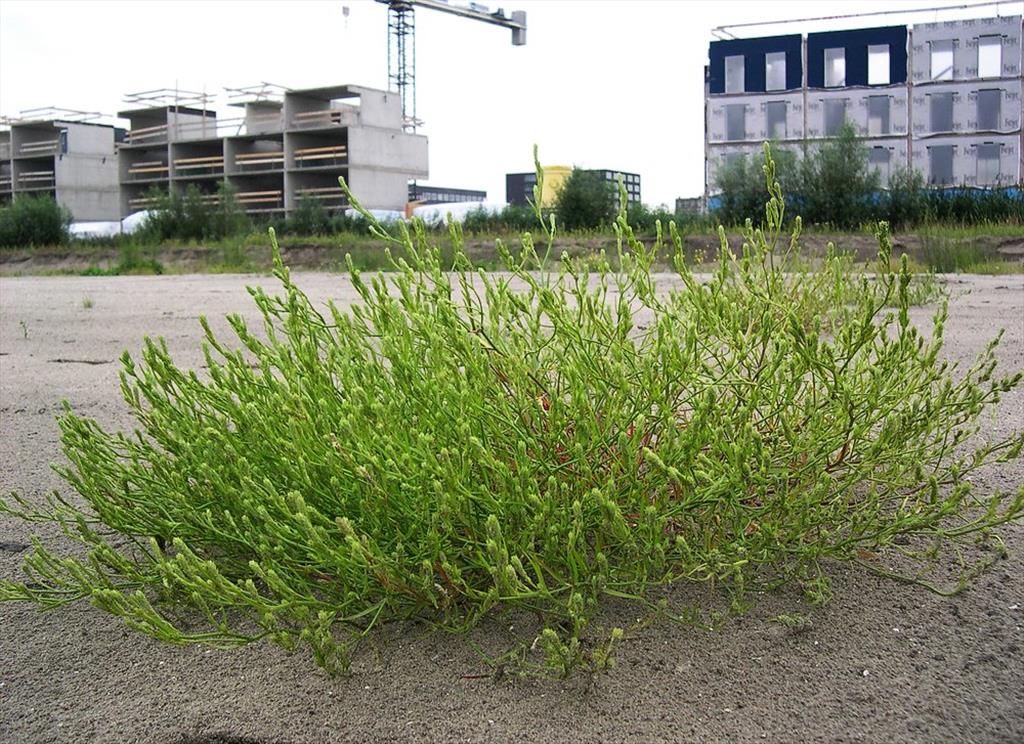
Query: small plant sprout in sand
{"x": 542, "y": 441}
{"x": 87, "y": 303}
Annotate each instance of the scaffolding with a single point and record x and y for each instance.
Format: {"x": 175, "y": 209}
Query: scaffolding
{"x": 261, "y": 92}
{"x": 722, "y": 33}
{"x": 170, "y": 97}
{"x": 52, "y": 113}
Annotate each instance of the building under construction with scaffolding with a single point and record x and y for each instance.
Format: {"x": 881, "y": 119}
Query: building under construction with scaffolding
{"x": 942, "y": 98}
{"x": 68, "y": 155}
{"x": 287, "y": 146}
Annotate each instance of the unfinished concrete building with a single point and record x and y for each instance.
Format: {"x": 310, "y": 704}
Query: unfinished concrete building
{"x": 65, "y": 154}
{"x": 288, "y": 146}
{"x": 942, "y": 98}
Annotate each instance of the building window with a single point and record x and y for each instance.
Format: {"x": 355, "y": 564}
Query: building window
{"x": 878, "y": 115}
{"x": 835, "y": 67}
{"x": 878, "y": 158}
{"x": 941, "y": 112}
{"x": 941, "y": 165}
{"x": 988, "y": 164}
{"x": 725, "y": 165}
{"x": 775, "y": 119}
{"x": 878, "y": 64}
{"x": 989, "y": 109}
{"x": 734, "y": 74}
{"x": 942, "y": 59}
{"x": 730, "y": 161}
{"x": 775, "y": 71}
{"x": 835, "y": 116}
{"x": 990, "y": 56}
{"x": 736, "y": 121}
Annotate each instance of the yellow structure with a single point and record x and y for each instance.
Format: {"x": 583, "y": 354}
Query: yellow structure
{"x": 554, "y": 177}
{"x": 519, "y": 187}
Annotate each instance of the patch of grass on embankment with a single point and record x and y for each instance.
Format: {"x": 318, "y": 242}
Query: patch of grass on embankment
{"x": 980, "y": 249}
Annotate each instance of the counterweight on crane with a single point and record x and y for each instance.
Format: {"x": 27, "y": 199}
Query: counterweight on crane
{"x": 402, "y": 42}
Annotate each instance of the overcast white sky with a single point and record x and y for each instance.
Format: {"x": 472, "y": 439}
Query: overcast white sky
{"x": 600, "y": 83}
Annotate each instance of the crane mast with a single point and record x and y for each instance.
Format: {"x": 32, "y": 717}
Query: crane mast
{"x": 402, "y": 42}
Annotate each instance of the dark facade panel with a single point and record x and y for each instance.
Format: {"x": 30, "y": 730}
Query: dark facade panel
{"x": 519, "y": 187}
{"x": 630, "y": 181}
{"x": 753, "y": 52}
{"x": 856, "y": 43}
{"x": 419, "y": 192}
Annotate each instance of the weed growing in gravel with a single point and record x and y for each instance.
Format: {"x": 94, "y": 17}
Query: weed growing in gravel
{"x": 459, "y": 444}
{"x": 796, "y": 623}
{"x": 87, "y": 303}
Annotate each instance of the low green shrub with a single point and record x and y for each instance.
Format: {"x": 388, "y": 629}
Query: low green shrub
{"x": 312, "y": 220}
{"x": 949, "y": 255}
{"x": 460, "y": 444}
{"x": 835, "y": 186}
{"x": 194, "y": 216}
{"x": 905, "y": 203}
{"x": 132, "y": 258}
{"x": 644, "y": 219}
{"x": 970, "y": 206}
{"x": 837, "y": 183}
{"x": 512, "y": 218}
{"x": 309, "y": 218}
{"x": 831, "y": 186}
{"x": 33, "y": 221}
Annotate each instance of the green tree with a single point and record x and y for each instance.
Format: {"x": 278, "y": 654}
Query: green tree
{"x": 192, "y": 215}
{"x": 744, "y": 191}
{"x": 227, "y": 217}
{"x": 906, "y": 200}
{"x": 838, "y": 183}
{"x": 514, "y": 217}
{"x": 586, "y": 201}
{"x": 33, "y": 220}
{"x": 309, "y": 218}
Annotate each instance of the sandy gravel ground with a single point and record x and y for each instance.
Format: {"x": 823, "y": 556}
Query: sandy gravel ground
{"x": 882, "y": 662}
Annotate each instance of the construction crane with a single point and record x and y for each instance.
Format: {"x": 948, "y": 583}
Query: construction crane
{"x": 402, "y": 42}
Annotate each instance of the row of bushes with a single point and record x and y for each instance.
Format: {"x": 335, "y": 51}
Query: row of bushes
{"x": 194, "y": 216}
{"x": 836, "y": 186}
{"x": 190, "y": 216}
